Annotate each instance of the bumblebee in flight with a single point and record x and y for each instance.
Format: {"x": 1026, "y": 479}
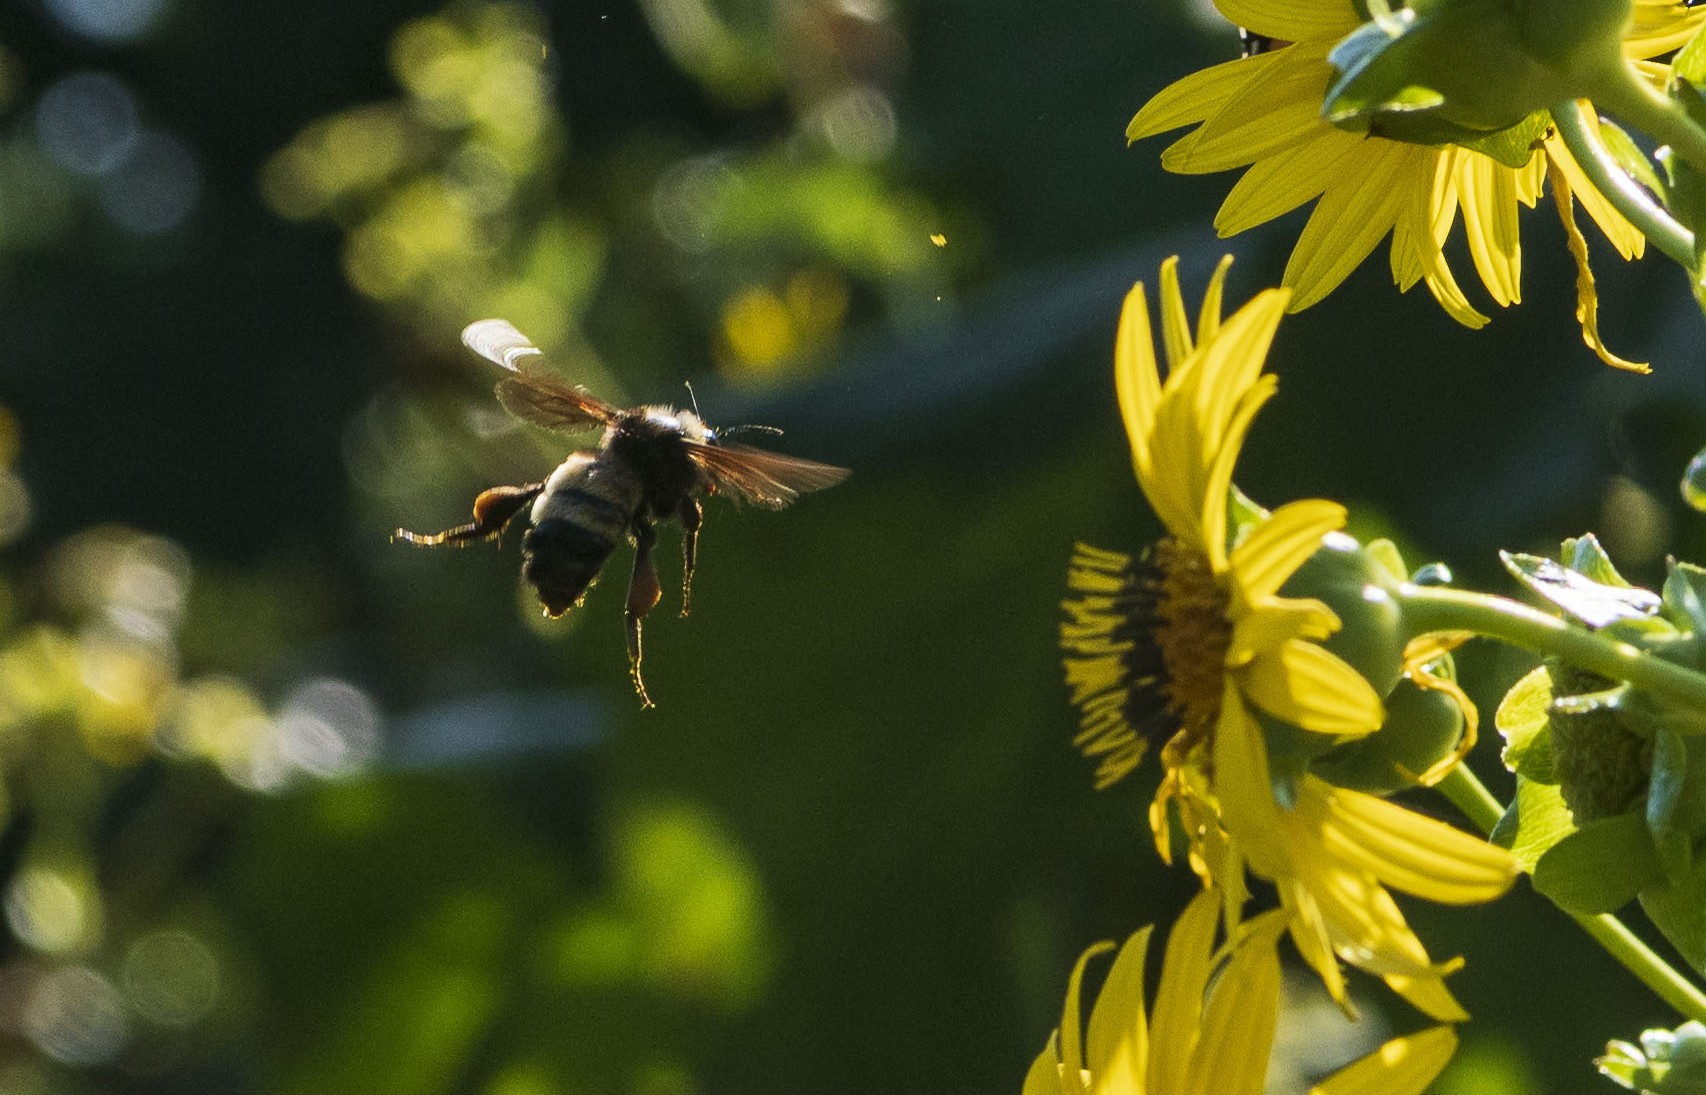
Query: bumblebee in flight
{"x": 650, "y": 465}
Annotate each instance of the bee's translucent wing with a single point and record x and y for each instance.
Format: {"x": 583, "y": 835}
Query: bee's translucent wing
{"x": 764, "y": 478}
{"x": 531, "y": 394}
{"x": 499, "y": 342}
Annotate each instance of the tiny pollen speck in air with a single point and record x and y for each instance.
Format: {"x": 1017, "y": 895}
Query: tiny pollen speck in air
{"x": 938, "y": 239}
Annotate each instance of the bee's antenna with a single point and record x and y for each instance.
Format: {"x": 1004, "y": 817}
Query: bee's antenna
{"x": 691, "y": 397}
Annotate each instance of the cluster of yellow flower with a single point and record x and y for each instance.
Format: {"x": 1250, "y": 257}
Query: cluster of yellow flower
{"x": 1288, "y": 677}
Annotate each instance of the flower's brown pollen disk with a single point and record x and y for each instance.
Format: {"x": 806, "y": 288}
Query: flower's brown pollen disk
{"x": 1145, "y": 642}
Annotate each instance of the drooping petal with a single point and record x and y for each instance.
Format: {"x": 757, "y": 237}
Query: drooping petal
{"x": 1407, "y": 850}
{"x": 1305, "y": 685}
{"x": 1402, "y": 1066}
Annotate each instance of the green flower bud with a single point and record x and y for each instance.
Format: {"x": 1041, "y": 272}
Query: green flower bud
{"x": 1423, "y": 726}
{"x": 1356, "y": 583}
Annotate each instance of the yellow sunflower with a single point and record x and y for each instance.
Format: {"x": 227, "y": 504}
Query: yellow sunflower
{"x": 1212, "y": 1026}
{"x": 1180, "y": 649}
{"x": 1264, "y": 112}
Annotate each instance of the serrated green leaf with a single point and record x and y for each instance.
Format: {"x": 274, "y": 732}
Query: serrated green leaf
{"x": 1678, "y": 910}
{"x": 1535, "y": 820}
{"x": 1523, "y": 721}
{"x": 1593, "y": 603}
{"x": 1600, "y": 867}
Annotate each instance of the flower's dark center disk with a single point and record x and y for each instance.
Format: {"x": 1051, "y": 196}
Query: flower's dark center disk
{"x": 1145, "y": 642}
{"x": 1194, "y": 635}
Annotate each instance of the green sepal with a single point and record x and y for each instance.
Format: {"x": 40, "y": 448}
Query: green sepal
{"x": 1523, "y": 720}
{"x": 1423, "y": 725}
{"x": 1535, "y": 820}
{"x": 1600, "y": 867}
{"x": 1665, "y": 1063}
{"x": 1514, "y": 145}
{"x": 1678, "y": 910}
{"x": 1356, "y": 585}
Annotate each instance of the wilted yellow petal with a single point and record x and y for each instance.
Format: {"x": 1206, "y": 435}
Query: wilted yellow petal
{"x": 1587, "y": 296}
{"x": 1403, "y": 1066}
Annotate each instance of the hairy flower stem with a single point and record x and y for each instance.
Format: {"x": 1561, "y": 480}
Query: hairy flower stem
{"x": 1469, "y": 795}
{"x": 1629, "y": 197}
{"x": 1435, "y": 608}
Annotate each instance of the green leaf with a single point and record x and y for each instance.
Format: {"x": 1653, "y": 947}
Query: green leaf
{"x": 1684, "y": 596}
{"x": 1595, "y": 604}
{"x": 1584, "y": 555}
{"x": 1535, "y": 820}
{"x": 1690, "y": 61}
{"x": 1666, "y": 805}
{"x": 1512, "y": 146}
{"x": 1678, "y": 910}
{"x": 1523, "y": 721}
{"x": 1599, "y": 867}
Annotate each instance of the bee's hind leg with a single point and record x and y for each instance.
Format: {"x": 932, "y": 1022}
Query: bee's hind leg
{"x": 691, "y": 514}
{"x": 493, "y": 511}
{"x": 644, "y": 592}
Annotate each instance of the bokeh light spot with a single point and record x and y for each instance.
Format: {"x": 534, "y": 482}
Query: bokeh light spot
{"x": 87, "y": 122}
{"x": 155, "y": 189}
{"x": 75, "y": 1015}
{"x": 51, "y": 910}
{"x": 106, "y": 21}
{"x": 170, "y": 978}
{"x": 329, "y": 727}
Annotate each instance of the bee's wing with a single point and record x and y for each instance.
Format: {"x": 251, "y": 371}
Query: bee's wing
{"x": 530, "y": 393}
{"x": 765, "y": 478}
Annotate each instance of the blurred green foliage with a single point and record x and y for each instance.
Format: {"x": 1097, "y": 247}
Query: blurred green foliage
{"x": 288, "y": 807}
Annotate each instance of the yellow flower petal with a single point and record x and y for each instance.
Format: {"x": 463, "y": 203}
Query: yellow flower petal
{"x": 1406, "y": 850}
{"x": 1291, "y": 21}
{"x": 1403, "y": 1066}
{"x": 1136, "y": 381}
{"x": 1281, "y": 544}
{"x": 1071, "y": 1026}
{"x": 1175, "y": 324}
{"x": 1285, "y": 180}
{"x": 1046, "y": 1076}
{"x": 1208, "y": 316}
{"x": 1177, "y": 1017}
{"x": 1278, "y": 622}
{"x": 1117, "y": 1043}
{"x": 1349, "y": 221}
{"x": 1190, "y": 100}
{"x": 1487, "y": 191}
{"x": 1274, "y": 109}
{"x": 1231, "y": 1055}
{"x": 1305, "y": 685}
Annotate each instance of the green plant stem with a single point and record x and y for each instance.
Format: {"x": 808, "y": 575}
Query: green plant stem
{"x": 1436, "y": 608}
{"x": 1469, "y": 795}
{"x": 1626, "y": 93}
{"x": 1630, "y": 198}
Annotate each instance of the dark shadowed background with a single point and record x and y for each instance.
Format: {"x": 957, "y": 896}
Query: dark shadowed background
{"x": 291, "y": 808}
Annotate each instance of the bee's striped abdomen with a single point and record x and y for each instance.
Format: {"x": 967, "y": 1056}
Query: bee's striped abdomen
{"x": 584, "y": 512}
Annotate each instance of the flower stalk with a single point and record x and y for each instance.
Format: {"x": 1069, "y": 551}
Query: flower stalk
{"x": 1436, "y": 608}
{"x": 1631, "y": 200}
{"x": 1479, "y": 805}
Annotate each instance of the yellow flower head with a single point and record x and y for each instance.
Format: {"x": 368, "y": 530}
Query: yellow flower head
{"x": 1212, "y": 1026}
{"x": 1184, "y": 647}
{"x": 1264, "y": 112}
{"x": 1157, "y": 649}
